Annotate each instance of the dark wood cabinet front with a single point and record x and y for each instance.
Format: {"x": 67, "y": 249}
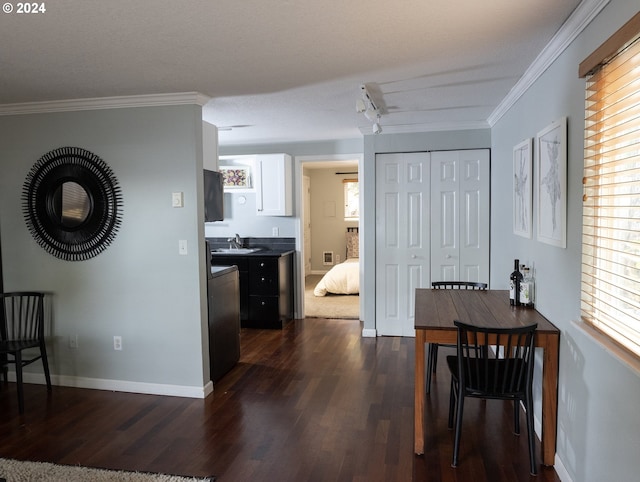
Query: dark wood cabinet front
{"x": 266, "y": 288}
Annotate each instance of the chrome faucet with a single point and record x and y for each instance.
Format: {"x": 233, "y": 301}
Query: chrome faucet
{"x": 235, "y": 243}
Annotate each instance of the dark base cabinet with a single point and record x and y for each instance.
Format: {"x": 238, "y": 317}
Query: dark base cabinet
{"x": 266, "y": 288}
{"x": 224, "y": 321}
{"x": 243, "y": 272}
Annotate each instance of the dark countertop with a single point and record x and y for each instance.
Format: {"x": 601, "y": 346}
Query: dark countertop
{"x": 222, "y": 270}
{"x": 272, "y": 253}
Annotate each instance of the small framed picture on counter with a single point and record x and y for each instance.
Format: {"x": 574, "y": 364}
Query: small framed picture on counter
{"x": 236, "y": 177}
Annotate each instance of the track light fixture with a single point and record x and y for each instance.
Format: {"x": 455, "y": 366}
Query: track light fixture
{"x": 365, "y": 105}
{"x": 376, "y": 128}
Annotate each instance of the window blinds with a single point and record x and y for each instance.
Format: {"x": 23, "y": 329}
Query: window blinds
{"x": 610, "y": 287}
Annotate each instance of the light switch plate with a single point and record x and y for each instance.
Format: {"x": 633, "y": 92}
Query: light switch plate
{"x": 177, "y": 199}
{"x": 182, "y": 247}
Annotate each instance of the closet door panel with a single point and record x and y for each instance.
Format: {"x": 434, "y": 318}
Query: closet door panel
{"x": 460, "y": 215}
{"x": 402, "y": 239}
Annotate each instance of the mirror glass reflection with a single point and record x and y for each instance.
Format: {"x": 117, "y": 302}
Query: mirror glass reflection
{"x": 72, "y": 204}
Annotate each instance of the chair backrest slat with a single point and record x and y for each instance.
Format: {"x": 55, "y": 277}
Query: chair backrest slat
{"x": 458, "y": 285}
{"x": 495, "y": 361}
{"x": 22, "y": 316}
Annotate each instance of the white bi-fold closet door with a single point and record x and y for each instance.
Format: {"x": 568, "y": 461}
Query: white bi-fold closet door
{"x": 432, "y": 224}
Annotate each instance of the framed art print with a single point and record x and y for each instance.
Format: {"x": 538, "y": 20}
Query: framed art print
{"x": 522, "y": 192}
{"x": 551, "y": 183}
{"x": 236, "y": 177}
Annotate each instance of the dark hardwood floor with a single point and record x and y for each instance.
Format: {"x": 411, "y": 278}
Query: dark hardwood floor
{"x": 313, "y": 402}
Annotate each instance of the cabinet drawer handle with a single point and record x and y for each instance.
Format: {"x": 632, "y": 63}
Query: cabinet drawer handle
{"x": 263, "y": 303}
{"x": 262, "y": 265}
{"x": 262, "y": 279}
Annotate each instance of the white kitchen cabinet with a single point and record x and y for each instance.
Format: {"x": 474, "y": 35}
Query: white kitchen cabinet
{"x": 274, "y": 191}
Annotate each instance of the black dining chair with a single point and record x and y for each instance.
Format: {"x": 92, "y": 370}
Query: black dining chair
{"x": 432, "y": 352}
{"x": 22, "y": 328}
{"x": 493, "y": 363}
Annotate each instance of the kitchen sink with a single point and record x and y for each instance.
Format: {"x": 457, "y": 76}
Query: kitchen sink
{"x": 236, "y": 250}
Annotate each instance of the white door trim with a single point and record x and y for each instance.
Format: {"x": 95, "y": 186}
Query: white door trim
{"x": 300, "y": 271}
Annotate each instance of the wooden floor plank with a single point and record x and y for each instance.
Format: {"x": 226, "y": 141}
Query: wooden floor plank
{"x": 314, "y": 401}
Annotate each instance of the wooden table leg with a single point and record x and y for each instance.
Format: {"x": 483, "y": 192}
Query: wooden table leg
{"x": 418, "y": 417}
{"x": 550, "y": 398}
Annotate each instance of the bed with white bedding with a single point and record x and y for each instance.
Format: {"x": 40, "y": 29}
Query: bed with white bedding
{"x": 343, "y": 278}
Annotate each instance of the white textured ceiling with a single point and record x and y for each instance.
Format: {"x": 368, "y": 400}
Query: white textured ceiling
{"x": 284, "y": 70}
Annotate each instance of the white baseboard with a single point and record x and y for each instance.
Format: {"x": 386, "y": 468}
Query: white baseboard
{"x": 561, "y": 470}
{"x": 369, "y": 333}
{"x": 119, "y": 385}
{"x": 557, "y": 462}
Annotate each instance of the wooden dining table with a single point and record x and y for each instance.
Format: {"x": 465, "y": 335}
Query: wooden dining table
{"x": 435, "y": 311}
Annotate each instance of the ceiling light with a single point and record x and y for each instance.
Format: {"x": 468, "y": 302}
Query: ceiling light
{"x": 367, "y": 98}
{"x": 365, "y": 105}
{"x": 371, "y": 114}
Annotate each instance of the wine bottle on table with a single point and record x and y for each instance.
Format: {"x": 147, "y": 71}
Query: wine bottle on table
{"x": 514, "y": 284}
{"x": 527, "y": 286}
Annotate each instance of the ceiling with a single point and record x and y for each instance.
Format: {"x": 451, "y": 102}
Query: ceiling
{"x": 284, "y": 70}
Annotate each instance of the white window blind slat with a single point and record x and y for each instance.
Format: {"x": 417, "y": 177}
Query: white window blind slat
{"x": 610, "y": 286}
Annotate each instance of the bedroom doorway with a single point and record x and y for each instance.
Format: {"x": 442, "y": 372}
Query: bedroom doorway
{"x": 324, "y": 233}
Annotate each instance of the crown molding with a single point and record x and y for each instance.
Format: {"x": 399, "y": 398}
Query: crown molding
{"x": 97, "y": 103}
{"x": 575, "y": 24}
{"x": 433, "y": 127}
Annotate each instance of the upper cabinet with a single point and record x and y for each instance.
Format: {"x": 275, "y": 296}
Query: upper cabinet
{"x": 273, "y": 178}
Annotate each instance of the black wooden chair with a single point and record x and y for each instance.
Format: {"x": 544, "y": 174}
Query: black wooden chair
{"x": 432, "y": 352}
{"x": 22, "y": 328}
{"x": 493, "y": 363}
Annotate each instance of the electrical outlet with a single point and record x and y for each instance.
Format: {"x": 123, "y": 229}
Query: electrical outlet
{"x": 73, "y": 341}
{"x": 117, "y": 343}
{"x": 275, "y": 231}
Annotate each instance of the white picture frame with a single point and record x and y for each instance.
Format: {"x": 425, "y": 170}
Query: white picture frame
{"x": 522, "y": 188}
{"x": 551, "y": 183}
{"x": 236, "y": 178}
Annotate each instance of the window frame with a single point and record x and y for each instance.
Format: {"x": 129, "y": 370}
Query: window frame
{"x": 347, "y": 201}
{"x": 605, "y": 292}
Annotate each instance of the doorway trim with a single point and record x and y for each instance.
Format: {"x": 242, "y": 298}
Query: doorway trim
{"x": 300, "y": 270}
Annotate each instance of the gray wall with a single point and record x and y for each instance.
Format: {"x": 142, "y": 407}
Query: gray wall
{"x": 139, "y": 288}
{"x": 598, "y": 422}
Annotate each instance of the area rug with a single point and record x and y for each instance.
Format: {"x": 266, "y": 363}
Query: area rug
{"x": 19, "y": 471}
{"x": 330, "y": 306}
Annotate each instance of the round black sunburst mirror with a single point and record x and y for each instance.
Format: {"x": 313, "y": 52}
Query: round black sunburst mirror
{"x": 72, "y": 203}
